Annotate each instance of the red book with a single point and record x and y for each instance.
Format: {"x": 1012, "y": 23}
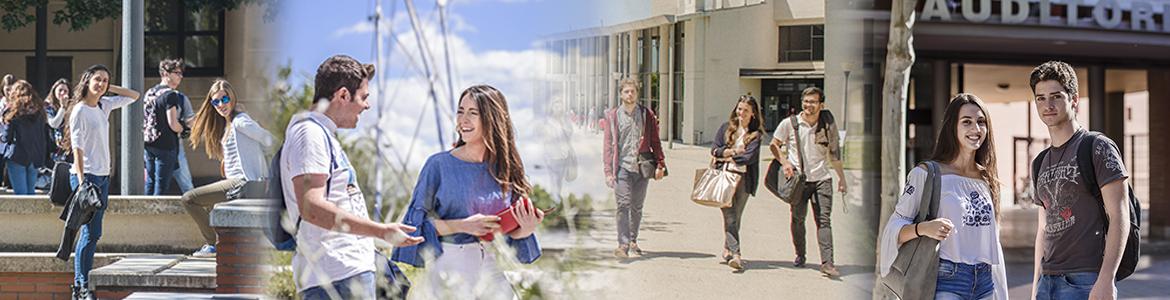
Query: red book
{"x": 507, "y": 221}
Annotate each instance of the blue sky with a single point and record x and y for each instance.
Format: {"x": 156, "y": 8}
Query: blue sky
{"x": 308, "y": 27}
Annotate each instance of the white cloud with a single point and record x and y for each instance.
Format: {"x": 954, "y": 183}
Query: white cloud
{"x": 400, "y": 22}
{"x": 520, "y": 75}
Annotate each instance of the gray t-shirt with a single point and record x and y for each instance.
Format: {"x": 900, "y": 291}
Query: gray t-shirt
{"x": 1074, "y": 234}
{"x": 629, "y": 138}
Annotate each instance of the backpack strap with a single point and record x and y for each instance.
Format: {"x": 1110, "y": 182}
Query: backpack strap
{"x": 332, "y": 160}
{"x": 1085, "y": 163}
{"x": 1036, "y": 164}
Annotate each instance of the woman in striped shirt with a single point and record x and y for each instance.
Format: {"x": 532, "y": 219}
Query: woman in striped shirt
{"x": 240, "y": 147}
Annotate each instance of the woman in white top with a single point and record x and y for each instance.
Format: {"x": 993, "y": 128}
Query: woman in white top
{"x": 737, "y": 145}
{"x": 242, "y": 158}
{"x": 55, "y": 105}
{"x": 88, "y": 138}
{"x": 971, "y": 262}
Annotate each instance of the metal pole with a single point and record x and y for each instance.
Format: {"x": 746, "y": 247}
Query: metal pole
{"x": 377, "y": 18}
{"x": 423, "y": 52}
{"x": 132, "y": 166}
{"x": 447, "y": 53}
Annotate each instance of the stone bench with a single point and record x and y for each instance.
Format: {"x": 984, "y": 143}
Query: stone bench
{"x": 144, "y": 224}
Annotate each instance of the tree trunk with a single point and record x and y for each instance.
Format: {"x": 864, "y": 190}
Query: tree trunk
{"x": 899, "y": 59}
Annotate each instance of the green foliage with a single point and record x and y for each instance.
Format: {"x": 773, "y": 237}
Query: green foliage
{"x": 80, "y": 14}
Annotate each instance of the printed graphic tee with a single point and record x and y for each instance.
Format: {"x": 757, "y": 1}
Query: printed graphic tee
{"x": 1074, "y": 234}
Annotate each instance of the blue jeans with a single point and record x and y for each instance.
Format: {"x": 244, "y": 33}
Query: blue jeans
{"x": 1066, "y": 286}
{"x": 160, "y": 168}
{"x": 183, "y": 173}
{"x": 959, "y": 281}
{"x": 23, "y": 178}
{"x": 90, "y": 232}
{"x": 360, "y": 286}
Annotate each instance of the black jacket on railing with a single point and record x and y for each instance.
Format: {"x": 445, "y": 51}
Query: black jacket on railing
{"x": 82, "y": 206}
{"x": 750, "y": 157}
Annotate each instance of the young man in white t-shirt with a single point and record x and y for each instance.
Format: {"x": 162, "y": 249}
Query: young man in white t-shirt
{"x": 335, "y": 237}
{"x": 89, "y": 139}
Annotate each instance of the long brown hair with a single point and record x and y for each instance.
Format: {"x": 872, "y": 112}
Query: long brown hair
{"x": 22, "y": 101}
{"x": 502, "y": 158}
{"x": 755, "y": 127}
{"x": 209, "y": 127}
{"x": 947, "y": 148}
{"x": 80, "y": 92}
{"x": 52, "y": 97}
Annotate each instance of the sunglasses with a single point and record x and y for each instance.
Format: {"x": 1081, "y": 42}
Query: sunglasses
{"x": 221, "y": 101}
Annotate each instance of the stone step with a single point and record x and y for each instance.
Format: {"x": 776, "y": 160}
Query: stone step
{"x": 157, "y": 272}
{"x": 133, "y": 224}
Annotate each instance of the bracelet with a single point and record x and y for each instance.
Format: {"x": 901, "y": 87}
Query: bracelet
{"x": 916, "y": 230}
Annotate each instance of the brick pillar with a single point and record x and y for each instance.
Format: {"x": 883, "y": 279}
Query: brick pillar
{"x": 1159, "y": 85}
{"x": 241, "y": 249}
{"x": 239, "y": 261}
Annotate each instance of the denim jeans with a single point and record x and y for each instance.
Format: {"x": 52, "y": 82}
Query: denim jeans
{"x": 960, "y": 281}
{"x": 160, "y": 168}
{"x": 1066, "y": 286}
{"x": 23, "y": 178}
{"x": 183, "y": 173}
{"x": 360, "y": 286}
{"x": 90, "y": 232}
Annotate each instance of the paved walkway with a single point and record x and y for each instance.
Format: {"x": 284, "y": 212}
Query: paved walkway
{"x": 682, "y": 239}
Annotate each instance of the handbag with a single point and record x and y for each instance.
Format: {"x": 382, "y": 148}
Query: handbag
{"x": 715, "y": 186}
{"x": 793, "y": 187}
{"x": 914, "y": 274}
{"x": 59, "y": 189}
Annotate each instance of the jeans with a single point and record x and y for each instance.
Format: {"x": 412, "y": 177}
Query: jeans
{"x": 90, "y": 232}
{"x": 732, "y": 217}
{"x": 1066, "y": 286}
{"x": 183, "y": 173}
{"x": 160, "y": 168}
{"x": 820, "y": 194}
{"x": 630, "y": 193}
{"x": 360, "y": 286}
{"x": 199, "y": 202}
{"x": 960, "y": 281}
{"x": 23, "y": 178}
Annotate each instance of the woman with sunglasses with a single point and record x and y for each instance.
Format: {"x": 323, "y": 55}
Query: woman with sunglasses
{"x": 229, "y": 135}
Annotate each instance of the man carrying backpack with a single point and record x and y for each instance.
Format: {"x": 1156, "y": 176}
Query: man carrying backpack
{"x": 161, "y": 126}
{"x": 335, "y": 252}
{"x": 1081, "y": 236}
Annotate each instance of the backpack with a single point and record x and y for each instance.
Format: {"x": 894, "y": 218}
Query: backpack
{"x": 1131, "y": 253}
{"x": 150, "y": 131}
{"x": 282, "y": 238}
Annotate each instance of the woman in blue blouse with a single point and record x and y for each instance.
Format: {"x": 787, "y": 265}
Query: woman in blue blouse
{"x": 456, "y": 198}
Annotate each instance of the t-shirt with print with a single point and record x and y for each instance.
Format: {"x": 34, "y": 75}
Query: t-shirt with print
{"x": 323, "y": 255}
{"x": 167, "y": 138}
{"x": 1074, "y": 234}
{"x": 89, "y": 130}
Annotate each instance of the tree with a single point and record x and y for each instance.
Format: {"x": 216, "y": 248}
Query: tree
{"x": 80, "y": 14}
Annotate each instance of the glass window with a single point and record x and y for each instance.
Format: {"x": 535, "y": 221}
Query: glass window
{"x": 802, "y": 43}
{"x": 196, "y": 36}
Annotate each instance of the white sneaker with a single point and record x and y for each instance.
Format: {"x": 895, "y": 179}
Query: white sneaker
{"x": 206, "y": 251}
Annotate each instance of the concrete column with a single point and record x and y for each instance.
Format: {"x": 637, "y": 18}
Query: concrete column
{"x": 1096, "y": 97}
{"x": 1159, "y": 168}
{"x": 131, "y": 166}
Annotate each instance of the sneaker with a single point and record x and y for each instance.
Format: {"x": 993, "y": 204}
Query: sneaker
{"x": 82, "y": 293}
{"x": 829, "y": 270}
{"x": 622, "y": 251}
{"x": 798, "y": 262}
{"x": 726, "y": 256}
{"x": 206, "y": 251}
{"x": 736, "y": 262}
{"x": 634, "y": 248}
